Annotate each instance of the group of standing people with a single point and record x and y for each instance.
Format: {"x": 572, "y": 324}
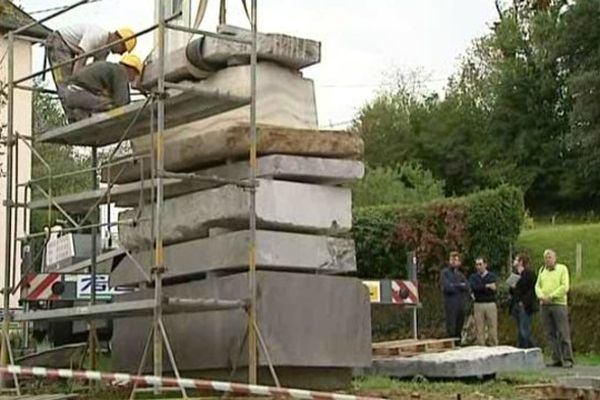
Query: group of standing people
{"x": 545, "y": 291}
{"x": 481, "y": 287}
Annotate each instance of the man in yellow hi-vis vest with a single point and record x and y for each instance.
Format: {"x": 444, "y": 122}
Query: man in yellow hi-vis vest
{"x": 551, "y": 288}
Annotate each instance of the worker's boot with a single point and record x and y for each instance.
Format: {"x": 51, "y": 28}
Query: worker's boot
{"x": 77, "y": 114}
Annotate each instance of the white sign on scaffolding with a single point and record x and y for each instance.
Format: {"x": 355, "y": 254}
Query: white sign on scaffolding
{"x": 59, "y": 249}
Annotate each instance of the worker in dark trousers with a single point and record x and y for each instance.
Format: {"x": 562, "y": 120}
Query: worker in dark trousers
{"x": 455, "y": 289}
{"x": 99, "y": 87}
{"x": 485, "y": 312}
{"x": 552, "y": 288}
{"x": 524, "y": 303}
{"x": 71, "y": 41}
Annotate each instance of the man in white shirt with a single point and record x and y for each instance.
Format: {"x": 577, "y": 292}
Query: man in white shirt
{"x": 72, "y": 41}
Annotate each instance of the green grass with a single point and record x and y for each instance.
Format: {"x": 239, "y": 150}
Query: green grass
{"x": 563, "y": 239}
{"x": 504, "y": 387}
{"x": 588, "y": 359}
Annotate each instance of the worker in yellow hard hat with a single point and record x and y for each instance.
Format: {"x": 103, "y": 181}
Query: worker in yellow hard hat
{"x": 77, "y": 40}
{"x": 100, "y": 86}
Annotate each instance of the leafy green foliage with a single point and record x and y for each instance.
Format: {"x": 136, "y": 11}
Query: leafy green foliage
{"x": 59, "y": 158}
{"x": 522, "y": 110}
{"x": 563, "y": 239}
{"x": 407, "y": 184}
{"x": 485, "y": 223}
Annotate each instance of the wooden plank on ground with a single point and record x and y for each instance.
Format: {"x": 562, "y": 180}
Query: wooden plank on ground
{"x": 412, "y": 347}
{"x": 558, "y": 392}
{"x": 56, "y": 396}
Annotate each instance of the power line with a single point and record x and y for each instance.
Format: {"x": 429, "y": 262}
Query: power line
{"x": 57, "y": 8}
{"x": 372, "y": 85}
{"x": 46, "y": 10}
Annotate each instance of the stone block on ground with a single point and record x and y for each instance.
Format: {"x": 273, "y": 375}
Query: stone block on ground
{"x": 307, "y": 321}
{"x": 228, "y": 253}
{"x": 465, "y": 362}
{"x": 280, "y": 205}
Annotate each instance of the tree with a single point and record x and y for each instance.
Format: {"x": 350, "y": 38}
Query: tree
{"x": 579, "y": 54}
{"x": 60, "y": 158}
{"x": 408, "y": 183}
{"x": 406, "y": 124}
{"x": 504, "y": 117}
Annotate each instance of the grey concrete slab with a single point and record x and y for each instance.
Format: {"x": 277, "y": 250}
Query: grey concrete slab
{"x": 461, "y": 363}
{"x": 219, "y": 146}
{"x": 288, "y": 51}
{"x": 280, "y": 205}
{"x": 281, "y": 167}
{"x": 306, "y": 321}
{"x": 202, "y": 56}
{"x": 283, "y": 98}
{"x": 177, "y": 69}
{"x": 229, "y": 253}
{"x": 109, "y": 127}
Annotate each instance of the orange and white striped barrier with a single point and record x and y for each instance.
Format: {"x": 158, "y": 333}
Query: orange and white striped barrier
{"x": 149, "y": 380}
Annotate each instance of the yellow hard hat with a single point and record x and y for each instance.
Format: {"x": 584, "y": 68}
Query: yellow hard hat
{"x": 133, "y": 61}
{"x": 125, "y": 33}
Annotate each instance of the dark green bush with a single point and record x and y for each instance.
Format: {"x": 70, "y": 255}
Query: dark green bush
{"x": 485, "y": 223}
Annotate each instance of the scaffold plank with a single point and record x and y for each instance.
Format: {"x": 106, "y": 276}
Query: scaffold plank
{"x": 107, "y": 128}
{"x": 126, "y": 309}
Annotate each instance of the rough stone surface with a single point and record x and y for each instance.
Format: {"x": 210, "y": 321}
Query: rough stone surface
{"x": 201, "y": 57}
{"x": 288, "y": 51}
{"x": 283, "y": 98}
{"x": 229, "y": 253}
{"x": 177, "y": 69}
{"x": 462, "y": 363}
{"x": 325, "y": 171}
{"x": 280, "y": 205}
{"x": 281, "y": 167}
{"x": 306, "y": 320}
{"x": 232, "y": 143}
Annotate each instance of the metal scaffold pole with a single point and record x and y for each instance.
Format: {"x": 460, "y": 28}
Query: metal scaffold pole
{"x": 9, "y": 189}
{"x": 93, "y": 266}
{"x": 159, "y": 304}
{"x": 252, "y": 335}
{"x": 160, "y": 165}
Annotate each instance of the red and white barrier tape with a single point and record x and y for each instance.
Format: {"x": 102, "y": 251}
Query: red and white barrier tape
{"x": 149, "y": 380}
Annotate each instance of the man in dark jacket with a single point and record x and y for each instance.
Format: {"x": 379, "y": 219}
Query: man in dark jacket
{"x": 100, "y": 87}
{"x": 524, "y": 302}
{"x": 485, "y": 311}
{"x": 454, "y": 289}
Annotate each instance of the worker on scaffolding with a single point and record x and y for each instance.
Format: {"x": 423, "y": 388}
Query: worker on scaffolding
{"x": 73, "y": 41}
{"x": 99, "y": 87}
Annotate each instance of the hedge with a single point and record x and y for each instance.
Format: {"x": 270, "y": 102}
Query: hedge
{"x": 485, "y": 223}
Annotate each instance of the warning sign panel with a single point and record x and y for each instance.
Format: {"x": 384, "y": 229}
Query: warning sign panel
{"x": 374, "y": 290}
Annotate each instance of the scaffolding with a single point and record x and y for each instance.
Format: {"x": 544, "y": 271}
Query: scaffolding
{"x": 168, "y": 105}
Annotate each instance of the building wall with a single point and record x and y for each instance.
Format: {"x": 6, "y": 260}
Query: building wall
{"x": 22, "y": 124}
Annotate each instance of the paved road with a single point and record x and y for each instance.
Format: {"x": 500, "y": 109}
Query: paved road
{"x": 577, "y": 370}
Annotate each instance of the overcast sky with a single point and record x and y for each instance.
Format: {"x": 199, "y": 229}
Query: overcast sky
{"x": 361, "y": 38}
